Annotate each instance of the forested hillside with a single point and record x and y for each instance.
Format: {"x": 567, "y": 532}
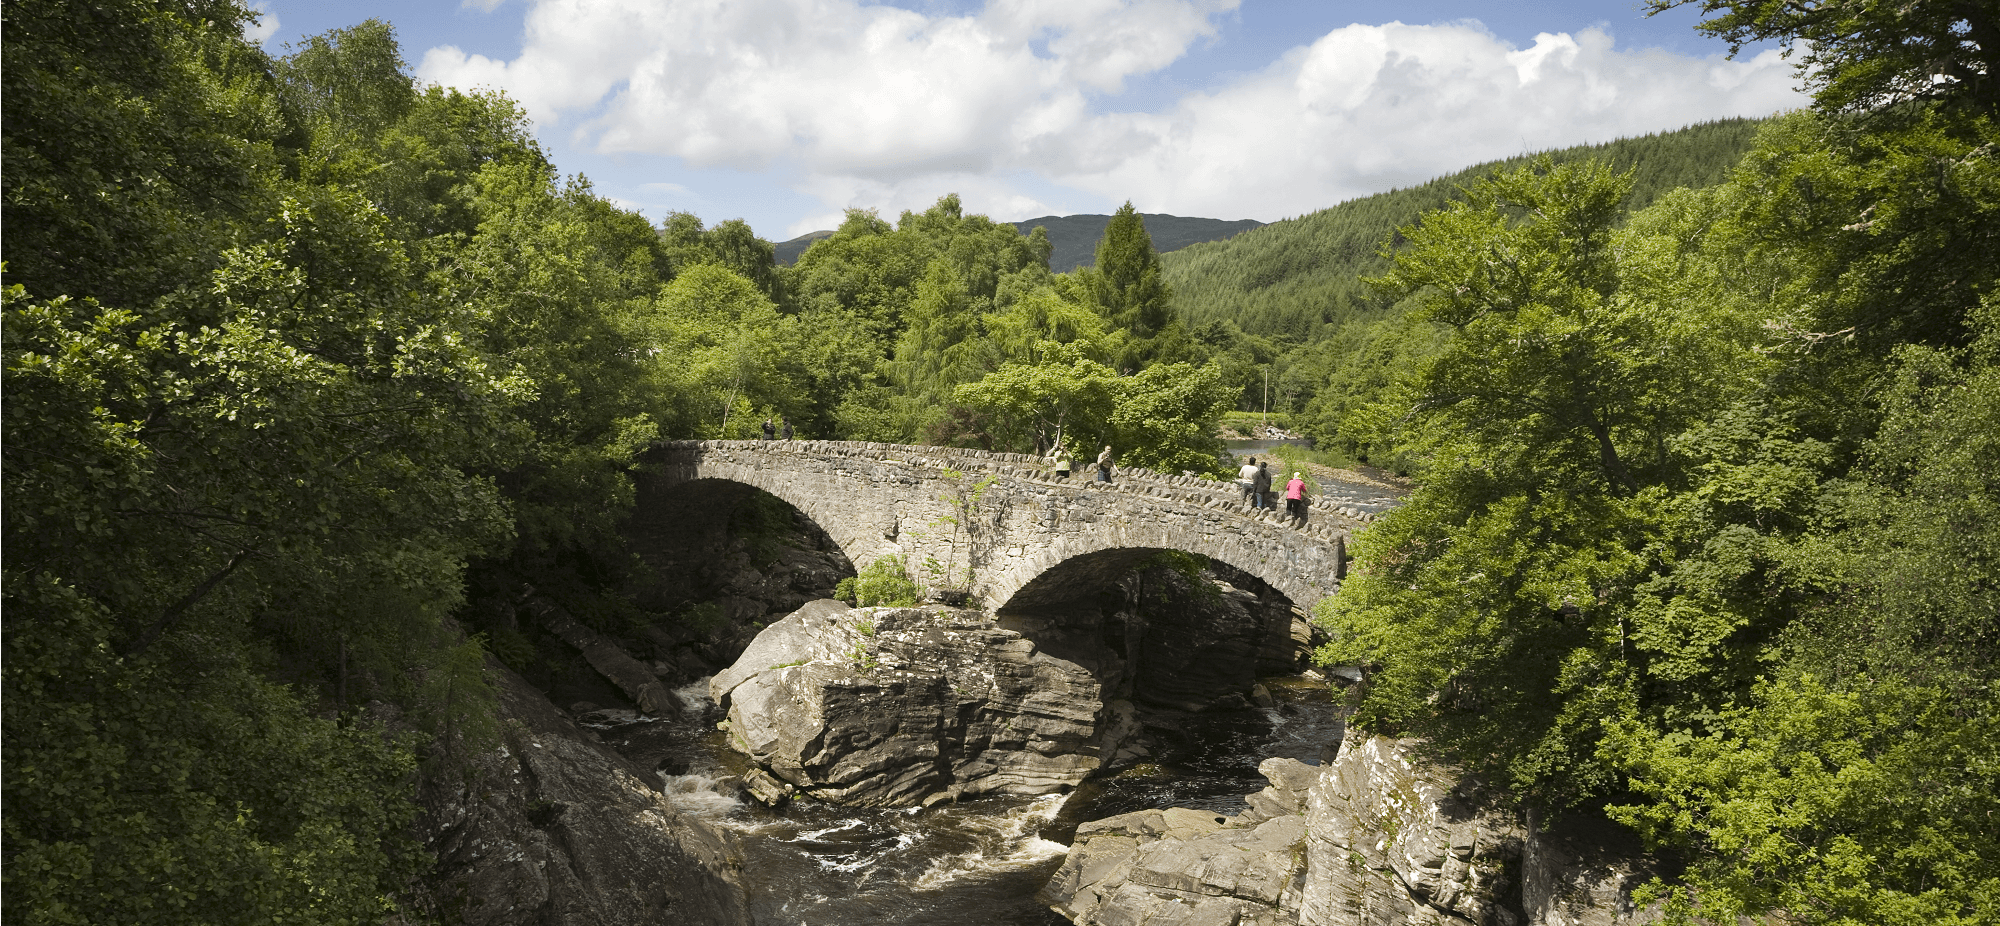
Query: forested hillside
{"x": 1287, "y": 279}
{"x": 1074, "y": 237}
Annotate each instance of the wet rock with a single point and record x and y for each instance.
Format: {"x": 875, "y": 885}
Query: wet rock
{"x": 553, "y": 829}
{"x": 1189, "y": 866}
{"x": 905, "y": 706}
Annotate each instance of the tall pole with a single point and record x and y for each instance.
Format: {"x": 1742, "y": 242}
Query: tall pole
{"x": 1267, "y": 396}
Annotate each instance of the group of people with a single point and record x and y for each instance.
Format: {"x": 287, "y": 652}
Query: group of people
{"x": 1059, "y": 456}
{"x": 1254, "y": 479}
{"x": 771, "y": 431}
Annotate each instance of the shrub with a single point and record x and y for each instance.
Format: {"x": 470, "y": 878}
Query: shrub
{"x": 885, "y": 582}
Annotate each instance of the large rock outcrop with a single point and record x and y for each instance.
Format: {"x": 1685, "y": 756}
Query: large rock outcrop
{"x": 554, "y": 829}
{"x": 903, "y": 706}
{"x": 1394, "y": 840}
{"x": 1191, "y": 868}
{"x": 1377, "y": 837}
{"x": 1581, "y": 871}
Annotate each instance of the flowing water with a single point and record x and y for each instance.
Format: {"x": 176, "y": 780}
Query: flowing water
{"x": 976, "y": 863}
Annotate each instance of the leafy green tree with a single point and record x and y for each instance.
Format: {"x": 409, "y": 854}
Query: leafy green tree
{"x": 1492, "y": 609}
{"x": 720, "y": 346}
{"x": 1860, "y": 57}
{"x": 1061, "y": 396}
{"x": 731, "y": 244}
{"x": 288, "y": 347}
{"x": 1164, "y": 418}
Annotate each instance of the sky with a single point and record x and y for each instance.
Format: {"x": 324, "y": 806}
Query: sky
{"x": 785, "y": 113}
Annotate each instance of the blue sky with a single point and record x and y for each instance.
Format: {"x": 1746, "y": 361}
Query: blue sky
{"x": 786, "y": 112}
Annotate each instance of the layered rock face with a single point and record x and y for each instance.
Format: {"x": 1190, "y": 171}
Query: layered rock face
{"x": 900, "y": 706}
{"x": 1192, "y": 868}
{"x": 554, "y": 829}
{"x": 1376, "y": 838}
{"x": 1392, "y": 842}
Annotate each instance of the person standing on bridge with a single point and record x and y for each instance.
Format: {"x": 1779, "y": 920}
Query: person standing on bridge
{"x": 788, "y": 427}
{"x": 1062, "y": 461}
{"x": 1296, "y": 500}
{"x": 1104, "y": 465}
{"x": 1246, "y": 479}
{"x": 1261, "y": 484}
{"x": 770, "y": 430}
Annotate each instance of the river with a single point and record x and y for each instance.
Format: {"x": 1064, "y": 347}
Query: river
{"x": 977, "y": 863}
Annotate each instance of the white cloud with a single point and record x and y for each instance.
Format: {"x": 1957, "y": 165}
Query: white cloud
{"x": 869, "y": 105}
{"x": 259, "y": 30}
{"x": 1365, "y": 108}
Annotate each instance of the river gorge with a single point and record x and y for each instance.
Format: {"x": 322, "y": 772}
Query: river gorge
{"x": 1143, "y": 742}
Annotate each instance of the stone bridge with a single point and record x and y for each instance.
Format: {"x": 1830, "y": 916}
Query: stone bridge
{"x": 1028, "y": 538}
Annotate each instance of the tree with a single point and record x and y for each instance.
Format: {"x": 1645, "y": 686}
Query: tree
{"x": 1862, "y": 56}
{"x": 721, "y": 346}
{"x": 1064, "y": 395}
{"x": 1496, "y": 610}
{"x": 1128, "y": 287}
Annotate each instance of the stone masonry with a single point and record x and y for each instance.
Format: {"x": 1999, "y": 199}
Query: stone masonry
{"x": 879, "y": 500}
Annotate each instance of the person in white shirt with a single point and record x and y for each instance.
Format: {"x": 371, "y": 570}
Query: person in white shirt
{"x": 1246, "y": 479}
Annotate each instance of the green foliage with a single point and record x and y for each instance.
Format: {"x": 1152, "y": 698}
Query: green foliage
{"x": 185, "y": 786}
{"x": 1708, "y": 524}
{"x": 1287, "y": 279}
{"x": 720, "y": 346}
{"x": 1130, "y": 291}
{"x": 885, "y": 582}
{"x": 1861, "y": 57}
{"x": 301, "y": 363}
{"x": 1287, "y": 300}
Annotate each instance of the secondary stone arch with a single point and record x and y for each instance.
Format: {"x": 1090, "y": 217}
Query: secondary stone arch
{"x": 1028, "y": 584}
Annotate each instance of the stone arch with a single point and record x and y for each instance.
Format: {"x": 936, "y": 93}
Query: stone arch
{"x": 1302, "y": 572}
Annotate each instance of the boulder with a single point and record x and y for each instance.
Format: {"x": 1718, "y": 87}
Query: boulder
{"x": 553, "y": 829}
{"x": 904, "y": 706}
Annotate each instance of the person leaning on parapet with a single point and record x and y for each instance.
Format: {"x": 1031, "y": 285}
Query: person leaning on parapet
{"x": 770, "y": 430}
{"x": 1060, "y": 456}
{"x": 1104, "y": 465}
{"x": 788, "y": 427}
{"x": 1246, "y": 479}
{"x": 1261, "y": 484}
{"x": 1295, "y": 498}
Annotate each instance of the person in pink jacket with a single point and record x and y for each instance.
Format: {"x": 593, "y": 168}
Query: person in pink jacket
{"x": 1295, "y": 499}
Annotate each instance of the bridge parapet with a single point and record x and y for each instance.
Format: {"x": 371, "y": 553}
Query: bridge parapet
{"x": 879, "y": 499}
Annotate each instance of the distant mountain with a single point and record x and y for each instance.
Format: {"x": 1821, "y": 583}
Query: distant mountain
{"x": 788, "y": 251}
{"x": 1075, "y": 236}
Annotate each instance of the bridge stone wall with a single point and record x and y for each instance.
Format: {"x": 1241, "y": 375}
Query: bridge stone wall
{"x": 886, "y": 499}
